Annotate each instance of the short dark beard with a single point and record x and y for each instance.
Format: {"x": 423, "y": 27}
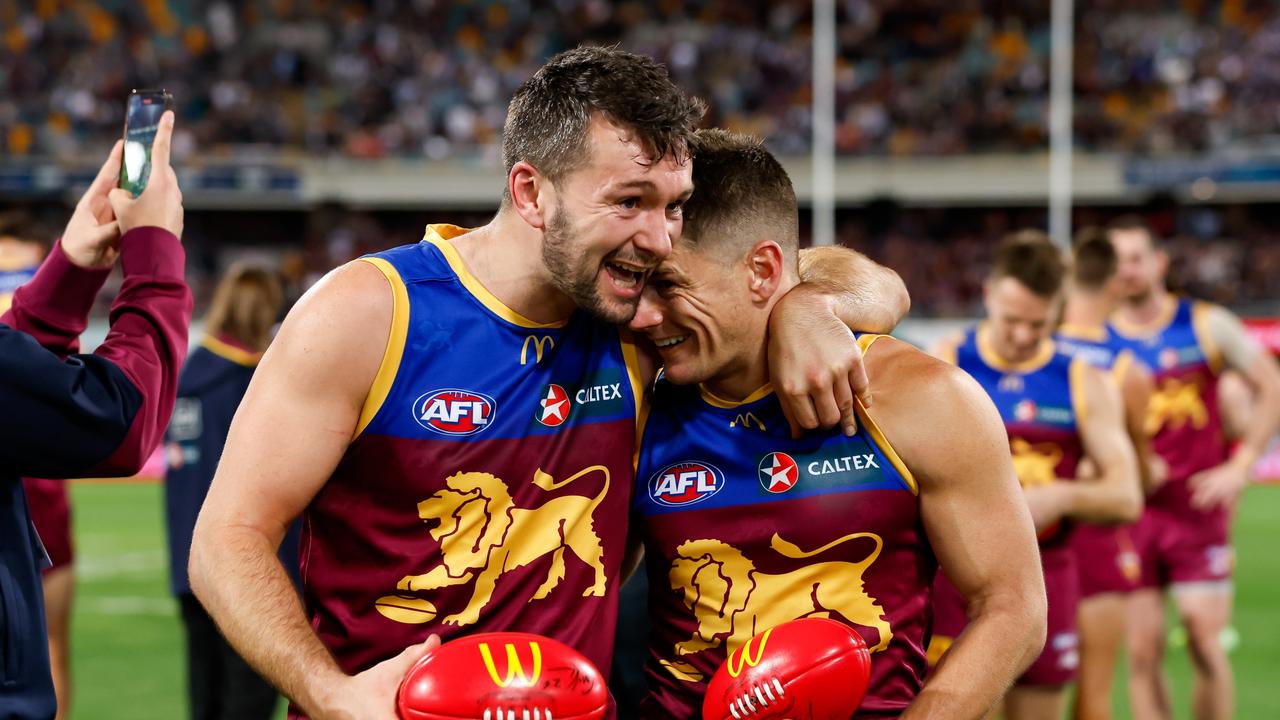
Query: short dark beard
{"x": 576, "y": 282}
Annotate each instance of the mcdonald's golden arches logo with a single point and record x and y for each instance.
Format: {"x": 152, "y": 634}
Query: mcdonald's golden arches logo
{"x": 743, "y": 658}
{"x": 515, "y": 668}
{"x": 746, "y": 421}
{"x": 541, "y": 343}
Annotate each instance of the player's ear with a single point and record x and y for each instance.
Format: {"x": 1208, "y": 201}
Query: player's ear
{"x": 529, "y": 194}
{"x": 767, "y": 267}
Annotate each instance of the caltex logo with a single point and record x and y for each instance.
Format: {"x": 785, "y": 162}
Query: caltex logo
{"x": 778, "y": 472}
{"x": 553, "y": 406}
{"x": 454, "y": 412}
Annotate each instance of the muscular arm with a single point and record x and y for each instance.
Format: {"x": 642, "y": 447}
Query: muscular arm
{"x": 1240, "y": 352}
{"x": 1223, "y": 483}
{"x": 814, "y": 363}
{"x": 315, "y": 376}
{"x": 865, "y": 295}
{"x": 1115, "y": 494}
{"x": 951, "y": 437}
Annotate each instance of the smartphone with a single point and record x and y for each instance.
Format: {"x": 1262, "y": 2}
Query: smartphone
{"x": 141, "y": 120}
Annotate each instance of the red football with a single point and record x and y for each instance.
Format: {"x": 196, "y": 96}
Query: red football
{"x": 806, "y": 669}
{"x": 503, "y": 676}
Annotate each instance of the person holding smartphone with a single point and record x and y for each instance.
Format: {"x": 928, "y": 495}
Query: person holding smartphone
{"x": 71, "y": 415}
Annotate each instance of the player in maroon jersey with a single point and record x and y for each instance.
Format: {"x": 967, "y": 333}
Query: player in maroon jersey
{"x": 1105, "y": 556}
{"x": 1183, "y": 538}
{"x": 597, "y": 171}
{"x": 1056, "y": 409}
{"x": 945, "y": 485}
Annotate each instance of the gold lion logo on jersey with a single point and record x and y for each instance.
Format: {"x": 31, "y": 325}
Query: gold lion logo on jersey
{"x": 732, "y": 601}
{"x": 483, "y": 535}
{"x": 1174, "y": 404}
{"x": 1036, "y": 464}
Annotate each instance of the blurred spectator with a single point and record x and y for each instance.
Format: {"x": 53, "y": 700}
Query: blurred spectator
{"x": 238, "y": 327}
{"x": 431, "y": 79}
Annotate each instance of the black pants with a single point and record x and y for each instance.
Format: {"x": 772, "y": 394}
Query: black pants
{"x": 220, "y": 683}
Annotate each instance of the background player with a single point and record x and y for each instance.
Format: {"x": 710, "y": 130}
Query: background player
{"x": 459, "y": 368}
{"x": 1056, "y": 409}
{"x": 1105, "y": 554}
{"x": 827, "y": 524}
{"x": 1184, "y": 537}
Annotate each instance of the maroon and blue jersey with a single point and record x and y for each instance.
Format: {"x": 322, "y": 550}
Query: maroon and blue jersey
{"x": 1098, "y": 346}
{"x": 1106, "y": 556}
{"x": 746, "y": 528}
{"x": 1042, "y": 408}
{"x": 1183, "y": 416}
{"x": 488, "y": 483}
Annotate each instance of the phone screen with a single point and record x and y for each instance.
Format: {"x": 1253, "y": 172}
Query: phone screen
{"x": 141, "y": 120}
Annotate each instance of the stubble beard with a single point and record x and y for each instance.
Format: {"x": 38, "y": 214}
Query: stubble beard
{"x": 562, "y": 257}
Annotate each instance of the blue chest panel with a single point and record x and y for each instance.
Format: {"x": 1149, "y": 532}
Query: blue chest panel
{"x": 1038, "y": 397}
{"x": 490, "y": 378}
{"x": 1176, "y": 347}
{"x": 698, "y": 456}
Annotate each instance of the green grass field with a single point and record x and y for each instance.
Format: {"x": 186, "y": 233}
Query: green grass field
{"x": 127, "y": 643}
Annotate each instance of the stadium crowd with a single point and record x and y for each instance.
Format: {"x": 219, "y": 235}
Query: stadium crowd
{"x": 431, "y": 79}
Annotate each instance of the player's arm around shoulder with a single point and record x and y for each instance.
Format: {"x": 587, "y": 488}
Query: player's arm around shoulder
{"x": 950, "y": 436}
{"x": 292, "y": 428}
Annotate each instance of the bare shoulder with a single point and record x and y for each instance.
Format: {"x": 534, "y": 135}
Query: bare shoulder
{"x": 902, "y": 374}
{"x": 338, "y": 330}
{"x": 932, "y": 412}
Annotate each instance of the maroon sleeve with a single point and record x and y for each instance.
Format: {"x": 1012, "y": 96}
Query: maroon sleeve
{"x": 148, "y": 337}
{"x": 53, "y": 307}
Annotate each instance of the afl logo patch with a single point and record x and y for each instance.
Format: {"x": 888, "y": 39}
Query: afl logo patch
{"x": 454, "y": 412}
{"x": 553, "y": 406}
{"x": 778, "y": 472}
{"x": 685, "y": 483}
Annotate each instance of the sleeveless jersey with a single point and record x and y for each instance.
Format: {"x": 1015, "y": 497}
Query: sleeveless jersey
{"x": 1040, "y": 403}
{"x": 746, "y": 528}
{"x": 1183, "y": 416}
{"x": 1100, "y": 347}
{"x": 1105, "y": 554}
{"x": 488, "y": 484}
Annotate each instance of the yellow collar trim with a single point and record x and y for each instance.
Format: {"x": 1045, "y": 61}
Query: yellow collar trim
{"x": 992, "y": 358}
{"x": 716, "y": 401}
{"x": 439, "y": 235}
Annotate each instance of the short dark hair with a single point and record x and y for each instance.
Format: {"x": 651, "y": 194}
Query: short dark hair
{"x": 1093, "y": 258}
{"x": 1133, "y": 222}
{"x": 548, "y": 116}
{"x": 739, "y": 187}
{"x": 1031, "y": 258}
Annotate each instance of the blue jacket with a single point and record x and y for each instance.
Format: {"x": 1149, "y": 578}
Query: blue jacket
{"x": 65, "y": 415}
